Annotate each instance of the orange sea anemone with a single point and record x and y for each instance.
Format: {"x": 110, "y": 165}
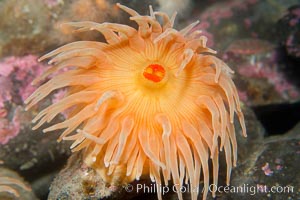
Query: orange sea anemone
{"x": 5, "y": 185}
{"x": 7, "y": 182}
{"x": 152, "y": 101}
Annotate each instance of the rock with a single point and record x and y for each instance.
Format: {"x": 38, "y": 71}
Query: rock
{"x": 250, "y": 27}
{"x": 34, "y": 155}
{"x": 288, "y": 28}
{"x": 258, "y": 91}
{"x": 78, "y": 181}
{"x": 34, "y": 26}
{"x": 273, "y": 165}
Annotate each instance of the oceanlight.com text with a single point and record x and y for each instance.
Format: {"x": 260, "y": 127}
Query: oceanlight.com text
{"x": 245, "y": 188}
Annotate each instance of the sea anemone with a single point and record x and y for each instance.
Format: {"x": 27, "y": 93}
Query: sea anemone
{"x": 150, "y": 101}
{"x": 7, "y": 182}
{"x": 5, "y": 186}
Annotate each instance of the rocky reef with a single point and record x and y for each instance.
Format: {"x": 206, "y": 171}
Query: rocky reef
{"x": 258, "y": 39}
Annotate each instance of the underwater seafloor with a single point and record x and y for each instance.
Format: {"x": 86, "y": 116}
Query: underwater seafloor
{"x": 259, "y": 40}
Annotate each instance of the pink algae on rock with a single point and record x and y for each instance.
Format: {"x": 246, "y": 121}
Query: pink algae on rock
{"x": 53, "y": 3}
{"x": 5, "y": 88}
{"x": 250, "y": 47}
{"x": 9, "y": 129}
{"x": 267, "y": 170}
{"x": 16, "y": 75}
{"x": 225, "y": 10}
{"x": 262, "y": 70}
